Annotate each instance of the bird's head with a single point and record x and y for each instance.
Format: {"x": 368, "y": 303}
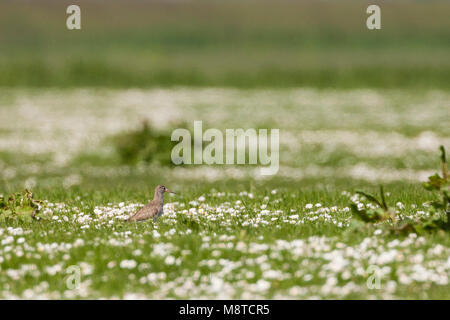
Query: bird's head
{"x": 160, "y": 189}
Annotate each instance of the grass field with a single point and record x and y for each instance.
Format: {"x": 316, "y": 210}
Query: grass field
{"x": 229, "y": 233}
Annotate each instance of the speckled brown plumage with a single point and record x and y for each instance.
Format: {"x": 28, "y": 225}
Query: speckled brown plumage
{"x": 154, "y": 208}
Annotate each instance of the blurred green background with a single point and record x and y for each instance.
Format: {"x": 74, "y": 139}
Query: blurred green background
{"x": 225, "y": 43}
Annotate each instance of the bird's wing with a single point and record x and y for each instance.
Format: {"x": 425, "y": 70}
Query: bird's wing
{"x": 146, "y": 212}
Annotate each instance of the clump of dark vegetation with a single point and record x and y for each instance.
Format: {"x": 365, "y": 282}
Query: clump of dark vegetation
{"x": 146, "y": 144}
{"x": 19, "y": 206}
{"x": 377, "y": 214}
{"x": 438, "y": 218}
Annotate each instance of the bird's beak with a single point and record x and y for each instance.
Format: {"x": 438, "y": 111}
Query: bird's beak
{"x": 167, "y": 190}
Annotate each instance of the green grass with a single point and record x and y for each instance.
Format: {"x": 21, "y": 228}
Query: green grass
{"x": 235, "y": 44}
{"x": 225, "y": 240}
{"x": 215, "y": 239}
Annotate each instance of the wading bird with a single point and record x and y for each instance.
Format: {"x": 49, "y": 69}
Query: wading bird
{"x": 154, "y": 208}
